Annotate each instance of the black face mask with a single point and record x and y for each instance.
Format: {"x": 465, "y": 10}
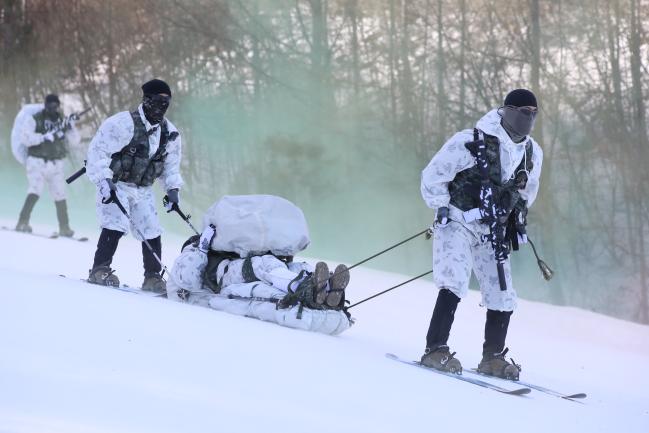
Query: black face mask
{"x": 517, "y": 121}
{"x": 52, "y": 110}
{"x": 155, "y": 107}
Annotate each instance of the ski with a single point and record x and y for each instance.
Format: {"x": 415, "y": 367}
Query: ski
{"x": 54, "y": 235}
{"x": 539, "y": 388}
{"x": 474, "y": 381}
{"x": 125, "y": 288}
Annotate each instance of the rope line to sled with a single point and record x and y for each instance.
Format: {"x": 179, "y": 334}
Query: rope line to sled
{"x": 391, "y": 288}
{"x": 380, "y": 253}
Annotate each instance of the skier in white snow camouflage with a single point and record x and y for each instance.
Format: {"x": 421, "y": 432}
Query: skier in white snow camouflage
{"x": 128, "y": 153}
{"x": 43, "y": 140}
{"x": 451, "y": 184}
{"x": 266, "y": 286}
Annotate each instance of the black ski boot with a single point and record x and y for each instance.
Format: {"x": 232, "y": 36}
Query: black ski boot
{"x": 106, "y": 247}
{"x": 493, "y": 350}
{"x": 495, "y": 364}
{"x": 104, "y": 276}
{"x": 442, "y": 319}
{"x": 153, "y": 282}
{"x": 62, "y": 215}
{"x": 337, "y": 285}
{"x": 437, "y": 354}
{"x": 25, "y": 214}
{"x": 441, "y": 358}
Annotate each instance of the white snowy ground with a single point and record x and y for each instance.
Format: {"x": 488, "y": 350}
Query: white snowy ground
{"x": 82, "y": 358}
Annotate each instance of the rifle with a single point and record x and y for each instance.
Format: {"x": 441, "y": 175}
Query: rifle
{"x": 65, "y": 124}
{"x": 77, "y": 174}
{"x": 494, "y": 217}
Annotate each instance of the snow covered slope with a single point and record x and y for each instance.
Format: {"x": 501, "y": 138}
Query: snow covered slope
{"x": 82, "y": 358}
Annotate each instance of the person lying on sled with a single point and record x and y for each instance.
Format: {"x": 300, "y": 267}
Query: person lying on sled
{"x": 243, "y": 263}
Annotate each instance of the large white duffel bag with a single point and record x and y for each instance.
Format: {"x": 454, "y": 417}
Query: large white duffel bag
{"x": 256, "y": 224}
{"x": 19, "y": 148}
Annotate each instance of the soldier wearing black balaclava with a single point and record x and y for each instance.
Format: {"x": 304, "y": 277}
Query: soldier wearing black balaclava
{"x": 41, "y": 137}
{"x": 129, "y": 152}
{"x": 452, "y": 184}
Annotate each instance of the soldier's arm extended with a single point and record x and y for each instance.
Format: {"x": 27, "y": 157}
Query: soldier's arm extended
{"x": 171, "y": 172}
{"x": 531, "y": 189}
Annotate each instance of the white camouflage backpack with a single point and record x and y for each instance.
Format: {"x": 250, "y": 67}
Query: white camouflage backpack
{"x": 18, "y": 147}
{"x": 257, "y": 224}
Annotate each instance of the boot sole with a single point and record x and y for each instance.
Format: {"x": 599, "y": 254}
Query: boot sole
{"x": 320, "y": 277}
{"x": 338, "y": 284}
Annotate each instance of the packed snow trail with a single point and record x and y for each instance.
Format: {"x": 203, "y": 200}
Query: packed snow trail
{"x": 81, "y": 358}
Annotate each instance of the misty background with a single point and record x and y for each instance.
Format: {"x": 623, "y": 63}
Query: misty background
{"x": 337, "y": 105}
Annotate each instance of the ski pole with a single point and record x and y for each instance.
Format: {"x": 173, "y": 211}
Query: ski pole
{"x": 545, "y": 269}
{"x": 391, "y": 288}
{"x": 176, "y": 208}
{"x": 113, "y": 199}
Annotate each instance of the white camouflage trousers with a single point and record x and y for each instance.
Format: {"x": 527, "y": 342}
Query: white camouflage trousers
{"x": 269, "y": 269}
{"x": 41, "y": 173}
{"x": 458, "y": 250}
{"x": 275, "y": 275}
{"x": 139, "y": 203}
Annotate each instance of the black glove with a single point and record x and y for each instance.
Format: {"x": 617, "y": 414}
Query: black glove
{"x": 441, "y": 219}
{"x": 172, "y": 199}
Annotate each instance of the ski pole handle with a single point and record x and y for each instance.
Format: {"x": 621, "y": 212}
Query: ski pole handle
{"x": 176, "y": 208}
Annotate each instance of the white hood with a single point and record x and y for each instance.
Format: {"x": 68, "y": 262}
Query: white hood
{"x": 511, "y": 153}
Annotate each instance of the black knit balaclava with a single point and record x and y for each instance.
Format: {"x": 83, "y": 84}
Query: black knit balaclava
{"x": 52, "y": 105}
{"x": 155, "y": 100}
{"x": 517, "y": 121}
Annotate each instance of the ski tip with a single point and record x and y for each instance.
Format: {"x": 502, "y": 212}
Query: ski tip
{"x": 519, "y": 391}
{"x": 391, "y": 356}
{"x": 578, "y": 395}
{"x": 83, "y": 239}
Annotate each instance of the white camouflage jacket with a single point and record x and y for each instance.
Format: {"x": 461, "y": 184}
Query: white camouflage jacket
{"x": 31, "y": 138}
{"x": 454, "y": 157}
{"x": 115, "y": 133}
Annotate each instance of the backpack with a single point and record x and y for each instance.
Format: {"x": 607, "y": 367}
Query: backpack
{"x": 18, "y": 147}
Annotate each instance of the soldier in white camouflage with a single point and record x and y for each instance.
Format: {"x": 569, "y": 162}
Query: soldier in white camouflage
{"x": 244, "y": 263}
{"x": 46, "y": 136}
{"x": 128, "y": 153}
{"x": 451, "y": 184}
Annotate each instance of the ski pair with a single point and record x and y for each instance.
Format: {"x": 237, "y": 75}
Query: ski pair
{"x": 124, "y": 288}
{"x": 525, "y": 388}
{"x": 54, "y": 235}
{"x": 481, "y": 383}
{"x": 545, "y": 390}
